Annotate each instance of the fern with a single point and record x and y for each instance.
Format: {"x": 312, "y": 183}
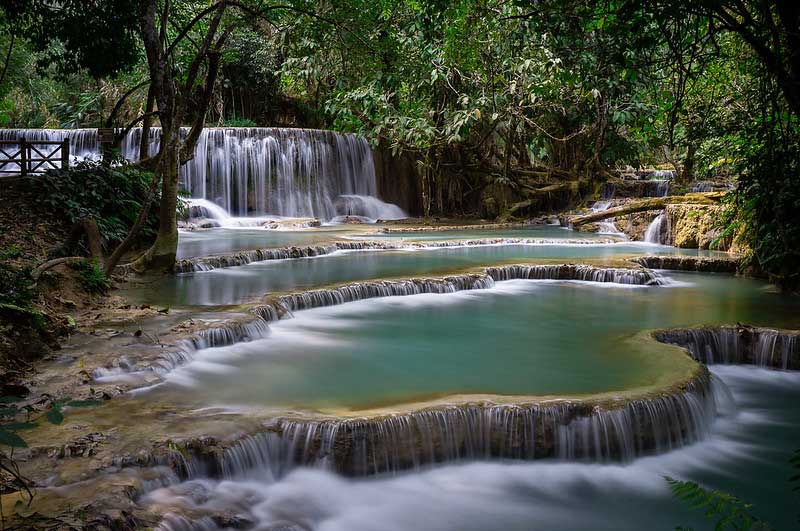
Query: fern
{"x": 728, "y": 511}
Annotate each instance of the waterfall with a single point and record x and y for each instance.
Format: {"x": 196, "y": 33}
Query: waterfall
{"x": 764, "y": 347}
{"x": 260, "y": 171}
{"x": 586, "y": 273}
{"x": 367, "y": 208}
{"x": 282, "y": 307}
{"x": 655, "y": 230}
{"x": 660, "y": 188}
{"x": 609, "y": 225}
{"x": 619, "y": 430}
{"x": 240, "y": 258}
{"x": 216, "y": 336}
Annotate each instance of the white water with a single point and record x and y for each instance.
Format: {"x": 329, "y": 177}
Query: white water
{"x": 367, "y": 207}
{"x": 654, "y": 230}
{"x": 525, "y": 496}
{"x": 203, "y": 210}
{"x": 260, "y": 171}
{"x": 609, "y": 225}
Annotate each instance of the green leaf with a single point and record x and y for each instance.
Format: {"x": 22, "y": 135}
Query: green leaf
{"x": 9, "y": 438}
{"x": 55, "y": 416}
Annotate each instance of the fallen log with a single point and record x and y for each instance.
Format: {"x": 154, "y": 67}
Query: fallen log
{"x": 642, "y": 205}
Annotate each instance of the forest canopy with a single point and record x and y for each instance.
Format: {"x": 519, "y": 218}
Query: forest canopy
{"x": 491, "y": 101}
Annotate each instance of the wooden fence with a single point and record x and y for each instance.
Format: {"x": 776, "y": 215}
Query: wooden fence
{"x": 25, "y": 157}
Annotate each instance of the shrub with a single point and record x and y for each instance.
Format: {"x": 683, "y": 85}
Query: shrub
{"x": 91, "y": 276}
{"x": 110, "y": 194}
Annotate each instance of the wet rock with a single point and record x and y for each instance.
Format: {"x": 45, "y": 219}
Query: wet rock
{"x": 83, "y": 446}
{"x": 690, "y": 263}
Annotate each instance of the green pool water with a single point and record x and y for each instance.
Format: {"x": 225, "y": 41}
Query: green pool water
{"x": 532, "y": 231}
{"x": 520, "y": 338}
{"x": 229, "y": 240}
{"x": 251, "y": 282}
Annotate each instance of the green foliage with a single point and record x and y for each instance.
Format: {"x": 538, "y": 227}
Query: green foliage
{"x": 53, "y": 414}
{"x": 10, "y": 252}
{"x": 111, "y": 195}
{"x": 92, "y": 277}
{"x": 72, "y": 36}
{"x": 239, "y": 122}
{"x": 728, "y": 512}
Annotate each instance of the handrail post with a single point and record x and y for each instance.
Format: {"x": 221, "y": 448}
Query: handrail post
{"x": 23, "y": 156}
{"x": 65, "y": 154}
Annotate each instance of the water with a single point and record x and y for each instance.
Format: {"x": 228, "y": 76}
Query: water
{"x": 248, "y": 283}
{"x": 260, "y": 171}
{"x": 530, "y": 231}
{"x": 746, "y": 455}
{"x": 384, "y": 351}
{"x": 607, "y": 226}
{"x": 231, "y": 239}
{"x": 655, "y": 231}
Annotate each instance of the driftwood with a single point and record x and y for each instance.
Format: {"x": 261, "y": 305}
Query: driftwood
{"x": 642, "y": 205}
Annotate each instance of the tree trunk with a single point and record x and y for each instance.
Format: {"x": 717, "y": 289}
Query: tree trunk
{"x": 642, "y": 205}
{"x": 161, "y": 256}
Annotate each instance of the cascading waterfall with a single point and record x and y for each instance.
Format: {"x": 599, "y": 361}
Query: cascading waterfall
{"x": 282, "y": 307}
{"x": 217, "y": 336}
{"x": 609, "y": 225}
{"x": 660, "y": 188}
{"x": 392, "y": 288}
{"x": 655, "y": 231}
{"x": 618, "y": 431}
{"x": 260, "y": 171}
{"x": 586, "y": 273}
{"x": 764, "y": 347}
{"x": 209, "y": 263}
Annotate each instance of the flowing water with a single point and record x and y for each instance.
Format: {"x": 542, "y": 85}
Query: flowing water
{"x": 547, "y": 332}
{"x": 746, "y": 455}
{"x": 250, "y": 282}
{"x": 545, "y": 338}
{"x": 260, "y": 171}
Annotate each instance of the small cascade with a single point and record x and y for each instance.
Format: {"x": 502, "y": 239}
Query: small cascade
{"x": 367, "y": 207}
{"x": 609, "y": 225}
{"x": 763, "y": 347}
{"x": 663, "y": 174}
{"x": 382, "y": 288}
{"x": 658, "y": 188}
{"x": 617, "y": 431}
{"x": 259, "y": 171}
{"x": 586, "y": 273}
{"x": 218, "y": 336}
{"x": 655, "y": 231}
{"x": 209, "y": 263}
